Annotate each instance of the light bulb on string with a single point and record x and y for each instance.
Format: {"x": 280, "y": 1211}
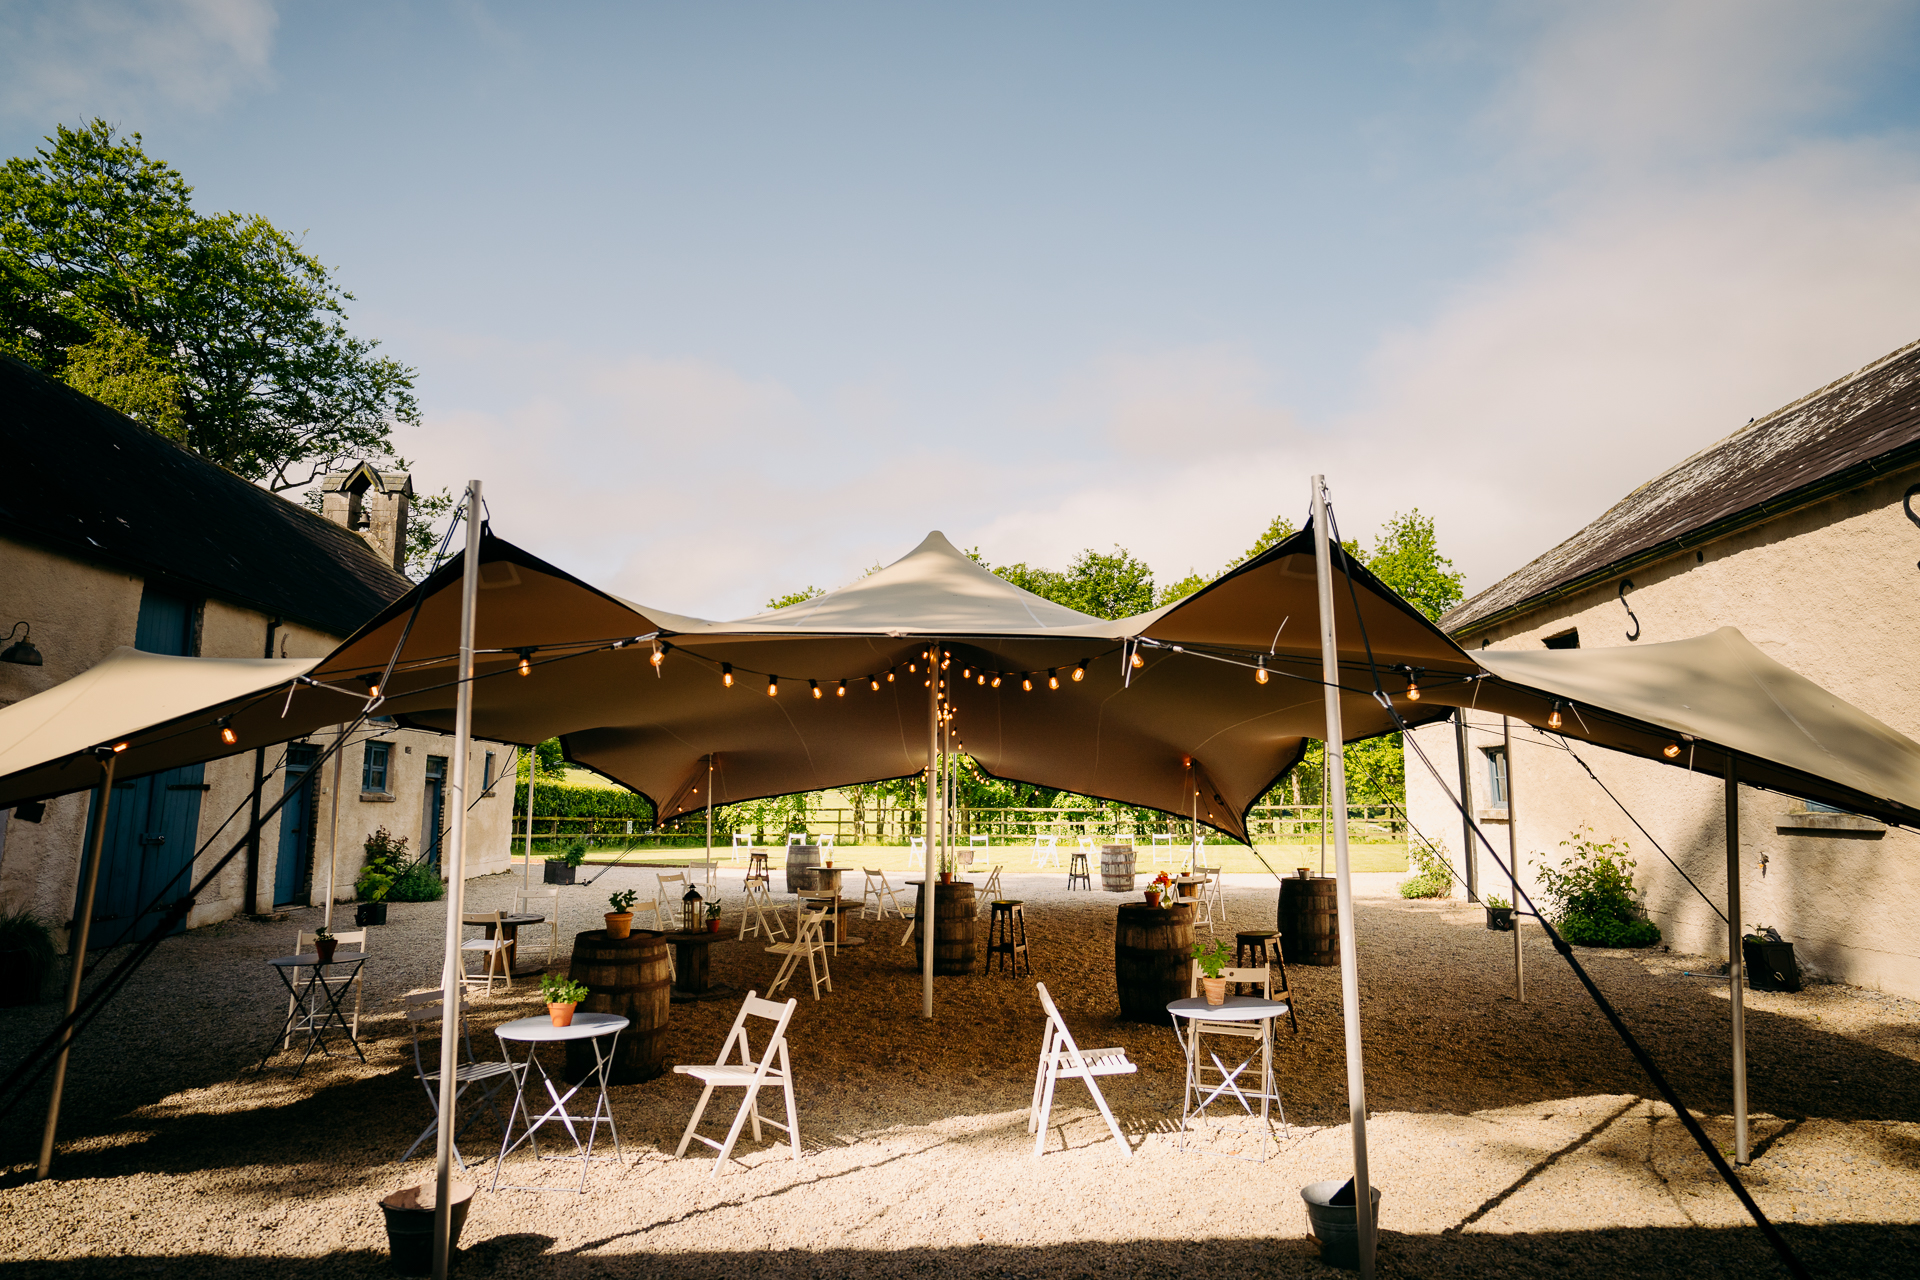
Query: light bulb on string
{"x": 1026, "y": 684}
{"x": 1671, "y": 750}
{"x": 889, "y": 675}
{"x": 996, "y": 682}
{"x": 912, "y": 670}
{"x": 1413, "y": 684}
{"x": 814, "y": 685}
{"x": 726, "y": 674}
{"x": 1553, "y": 717}
{"x": 227, "y": 735}
{"x": 526, "y": 662}
{"x": 1053, "y": 681}
{"x": 773, "y": 686}
{"x": 875, "y": 682}
{"x": 659, "y": 654}
{"x": 1138, "y": 661}
{"x": 1260, "y": 670}
{"x": 118, "y": 747}
{"x": 841, "y": 692}
{"x": 980, "y": 680}
{"x": 1079, "y": 671}
{"x": 966, "y": 673}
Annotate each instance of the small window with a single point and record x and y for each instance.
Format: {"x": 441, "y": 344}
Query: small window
{"x": 1821, "y": 806}
{"x": 1496, "y": 777}
{"x": 373, "y": 769}
{"x": 1565, "y": 640}
{"x": 487, "y": 774}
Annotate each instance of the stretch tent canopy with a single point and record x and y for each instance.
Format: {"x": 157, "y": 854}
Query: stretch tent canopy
{"x": 1689, "y": 703}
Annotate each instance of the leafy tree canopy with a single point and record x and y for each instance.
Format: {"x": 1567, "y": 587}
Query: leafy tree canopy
{"x": 217, "y": 331}
{"x": 1104, "y": 585}
{"x": 1406, "y": 556}
{"x": 795, "y": 597}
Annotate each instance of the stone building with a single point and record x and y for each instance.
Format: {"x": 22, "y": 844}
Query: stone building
{"x": 111, "y": 535}
{"x": 1801, "y": 531}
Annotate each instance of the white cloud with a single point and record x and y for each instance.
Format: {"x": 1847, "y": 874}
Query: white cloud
{"x": 64, "y": 61}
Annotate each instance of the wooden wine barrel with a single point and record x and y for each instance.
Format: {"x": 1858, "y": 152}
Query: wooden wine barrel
{"x": 1116, "y": 868}
{"x": 801, "y": 860}
{"x": 953, "y": 928}
{"x": 1152, "y": 960}
{"x": 625, "y": 976}
{"x": 1309, "y": 921}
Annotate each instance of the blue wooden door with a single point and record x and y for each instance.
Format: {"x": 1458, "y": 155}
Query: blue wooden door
{"x": 433, "y": 822}
{"x": 295, "y": 864}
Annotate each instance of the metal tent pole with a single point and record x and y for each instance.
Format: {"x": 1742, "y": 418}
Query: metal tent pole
{"x": 1736, "y": 966}
{"x": 710, "y": 891}
{"x": 1469, "y": 851}
{"x": 932, "y": 882}
{"x": 1513, "y": 860}
{"x": 1336, "y": 776}
{"x": 456, "y": 863}
{"x": 533, "y": 772}
{"x": 77, "y": 956}
{"x": 333, "y": 824}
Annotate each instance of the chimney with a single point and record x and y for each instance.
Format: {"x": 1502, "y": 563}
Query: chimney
{"x": 375, "y": 505}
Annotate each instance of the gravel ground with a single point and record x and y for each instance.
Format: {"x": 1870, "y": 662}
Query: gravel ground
{"x": 1509, "y": 1139}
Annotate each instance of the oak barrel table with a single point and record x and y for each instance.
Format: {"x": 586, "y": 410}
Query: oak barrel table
{"x": 1309, "y": 920}
{"x": 1152, "y": 959}
{"x": 626, "y": 977}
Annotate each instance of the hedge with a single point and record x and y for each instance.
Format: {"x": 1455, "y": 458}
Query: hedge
{"x": 558, "y": 800}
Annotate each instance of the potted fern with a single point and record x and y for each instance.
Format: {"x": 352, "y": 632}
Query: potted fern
{"x": 387, "y": 860}
{"x": 620, "y": 919}
{"x": 1212, "y": 957}
{"x": 561, "y": 866}
{"x": 563, "y": 995}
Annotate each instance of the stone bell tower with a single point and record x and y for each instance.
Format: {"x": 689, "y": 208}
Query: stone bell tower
{"x": 374, "y": 504}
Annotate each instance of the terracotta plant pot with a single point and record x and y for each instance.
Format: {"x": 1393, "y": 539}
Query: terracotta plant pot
{"x": 325, "y": 948}
{"x": 619, "y": 925}
{"x": 713, "y": 926}
{"x": 1215, "y": 988}
{"x": 946, "y": 877}
{"x": 562, "y": 1014}
{"x": 1153, "y": 897}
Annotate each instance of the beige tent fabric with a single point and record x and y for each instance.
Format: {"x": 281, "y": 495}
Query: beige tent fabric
{"x": 167, "y": 705}
{"x": 1707, "y": 696}
{"x": 1185, "y": 734}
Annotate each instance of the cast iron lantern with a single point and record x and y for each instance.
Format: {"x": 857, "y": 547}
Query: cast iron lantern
{"x": 22, "y": 650}
{"x": 693, "y": 917}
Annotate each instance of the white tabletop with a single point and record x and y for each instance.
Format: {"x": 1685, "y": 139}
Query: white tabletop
{"x": 1234, "y": 1009}
{"x": 586, "y": 1026}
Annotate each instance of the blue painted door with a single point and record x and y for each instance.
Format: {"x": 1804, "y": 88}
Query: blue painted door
{"x": 295, "y": 865}
{"x": 433, "y": 821}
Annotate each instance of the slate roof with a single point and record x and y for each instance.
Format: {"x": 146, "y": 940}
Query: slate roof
{"x": 87, "y": 482}
{"x": 1831, "y": 440}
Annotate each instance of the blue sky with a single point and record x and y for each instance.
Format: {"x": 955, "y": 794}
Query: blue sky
{"x": 724, "y": 299}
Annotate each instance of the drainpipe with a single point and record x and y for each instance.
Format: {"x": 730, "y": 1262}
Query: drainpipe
{"x": 259, "y": 780}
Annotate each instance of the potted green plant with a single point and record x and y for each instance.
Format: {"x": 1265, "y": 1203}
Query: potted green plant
{"x": 563, "y": 995}
{"x": 26, "y": 957}
{"x": 324, "y": 944}
{"x": 620, "y": 919}
{"x": 561, "y": 866}
{"x": 386, "y": 860}
{"x": 1769, "y": 961}
{"x": 1212, "y": 957}
{"x": 1499, "y": 914}
{"x": 713, "y": 917}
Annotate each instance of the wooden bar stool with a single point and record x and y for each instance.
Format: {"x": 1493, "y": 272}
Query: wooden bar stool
{"x": 1007, "y": 936}
{"x": 1257, "y": 947}
{"x": 1079, "y": 869}
{"x": 757, "y": 869}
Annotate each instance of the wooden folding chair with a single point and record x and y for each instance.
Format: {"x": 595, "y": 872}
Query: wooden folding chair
{"x": 1045, "y": 850}
{"x": 1162, "y": 851}
{"x": 749, "y": 1075}
{"x": 992, "y": 889}
{"x": 1062, "y": 1059}
{"x": 758, "y": 914}
{"x": 809, "y": 942}
{"x": 877, "y": 891}
{"x": 825, "y": 901}
{"x": 742, "y": 843}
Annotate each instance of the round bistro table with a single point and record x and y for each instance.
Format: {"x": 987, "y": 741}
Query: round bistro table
{"x": 534, "y": 1032}
{"x": 1193, "y": 1106}
{"x": 319, "y": 1014}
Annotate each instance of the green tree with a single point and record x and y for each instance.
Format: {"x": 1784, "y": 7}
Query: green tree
{"x": 1406, "y": 556}
{"x": 1278, "y": 532}
{"x": 795, "y": 597}
{"x": 219, "y": 331}
{"x": 1097, "y": 583}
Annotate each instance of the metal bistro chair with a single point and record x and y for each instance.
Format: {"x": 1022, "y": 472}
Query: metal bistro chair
{"x": 748, "y": 1075}
{"x": 302, "y": 944}
{"x": 422, "y": 1008}
{"x": 542, "y": 902}
{"x": 493, "y": 950}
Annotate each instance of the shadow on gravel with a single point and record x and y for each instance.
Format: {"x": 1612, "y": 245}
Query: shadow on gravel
{"x": 1853, "y": 1251}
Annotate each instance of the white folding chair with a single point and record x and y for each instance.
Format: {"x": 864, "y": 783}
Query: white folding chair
{"x": 877, "y": 891}
{"x": 809, "y": 942}
{"x": 1212, "y": 903}
{"x": 544, "y": 902}
{"x": 1122, "y": 837}
{"x": 742, "y": 843}
{"x": 826, "y": 901}
{"x": 423, "y": 1008}
{"x": 797, "y": 837}
{"x": 916, "y": 853}
{"x": 493, "y": 951}
{"x": 749, "y": 1075}
{"x": 825, "y": 840}
{"x": 1044, "y": 851}
{"x": 668, "y": 891}
{"x": 1062, "y": 1059}
{"x": 1162, "y": 851}
{"x": 302, "y": 944}
{"x": 992, "y": 889}
{"x": 758, "y": 914}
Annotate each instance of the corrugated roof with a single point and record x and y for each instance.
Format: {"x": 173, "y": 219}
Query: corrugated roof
{"x": 88, "y": 482}
{"x": 1830, "y": 440}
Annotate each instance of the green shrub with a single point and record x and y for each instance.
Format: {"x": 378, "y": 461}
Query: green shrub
{"x": 1591, "y": 898}
{"x": 1433, "y": 879}
{"x": 573, "y": 855}
{"x": 27, "y": 932}
{"x": 420, "y": 882}
{"x": 386, "y": 860}
{"x": 560, "y": 800}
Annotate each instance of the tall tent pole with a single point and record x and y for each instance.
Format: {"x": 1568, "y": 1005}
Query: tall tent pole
{"x": 333, "y": 826}
{"x": 1336, "y": 776}
{"x": 710, "y": 823}
{"x": 451, "y": 993}
{"x": 533, "y": 771}
{"x": 77, "y": 959}
{"x": 925, "y": 922}
{"x": 1469, "y": 851}
{"x": 1513, "y": 860}
{"x": 1736, "y": 966}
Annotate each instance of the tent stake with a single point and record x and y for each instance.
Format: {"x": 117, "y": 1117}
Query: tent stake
{"x": 1469, "y": 855}
{"x": 1513, "y": 860}
{"x": 1736, "y": 966}
{"x": 1335, "y": 774}
{"x": 77, "y": 956}
{"x": 455, "y": 864}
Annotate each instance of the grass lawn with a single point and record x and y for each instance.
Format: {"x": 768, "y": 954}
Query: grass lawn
{"x": 1231, "y": 858}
